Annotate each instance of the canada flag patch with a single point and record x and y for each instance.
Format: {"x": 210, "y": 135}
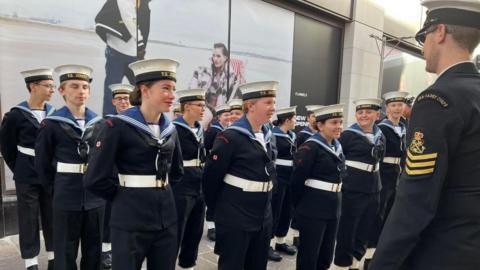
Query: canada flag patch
{"x": 98, "y": 144}
{"x": 215, "y": 157}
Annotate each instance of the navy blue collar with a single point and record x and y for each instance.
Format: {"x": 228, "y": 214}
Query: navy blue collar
{"x": 290, "y": 135}
{"x": 180, "y": 121}
{"x": 243, "y": 126}
{"x": 134, "y": 117}
{"x": 217, "y": 125}
{"x": 319, "y": 139}
{"x": 387, "y": 123}
{"x": 49, "y": 109}
{"x": 64, "y": 115}
{"x": 357, "y": 129}
{"x": 307, "y": 130}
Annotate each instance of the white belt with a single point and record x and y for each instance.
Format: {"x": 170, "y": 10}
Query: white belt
{"x": 391, "y": 160}
{"x": 362, "y": 166}
{"x": 141, "y": 181}
{"x": 284, "y": 162}
{"x": 26, "y": 151}
{"x": 323, "y": 185}
{"x": 248, "y": 185}
{"x": 71, "y": 167}
{"x": 191, "y": 163}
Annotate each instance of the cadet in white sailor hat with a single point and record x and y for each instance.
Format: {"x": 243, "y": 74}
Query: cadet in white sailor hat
{"x": 238, "y": 182}
{"x": 317, "y": 181}
{"x": 309, "y": 130}
{"x": 236, "y": 109}
{"x": 432, "y": 224}
{"x": 143, "y": 145}
{"x": 17, "y": 142}
{"x": 121, "y": 96}
{"x": 364, "y": 146}
{"x": 177, "y": 111}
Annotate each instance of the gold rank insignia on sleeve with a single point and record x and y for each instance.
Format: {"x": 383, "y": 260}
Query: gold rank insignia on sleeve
{"x": 419, "y": 163}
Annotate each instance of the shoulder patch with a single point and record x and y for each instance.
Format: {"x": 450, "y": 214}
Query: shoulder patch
{"x": 109, "y": 122}
{"x": 433, "y": 97}
{"x": 418, "y": 162}
{"x": 223, "y": 138}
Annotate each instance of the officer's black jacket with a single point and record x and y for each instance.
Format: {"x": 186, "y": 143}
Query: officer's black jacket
{"x": 192, "y": 148}
{"x": 303, "y": 135}
{"x": 20, "y": 127}
{"x": 236, "y": 151}
{"x": 210, "y": 135}
{"x": 435, "y": 220}
{"x": 357, "y": 147}
{"x": 394, "y": 147}
{"x": 315, "y": 159}
{"x": 126, "y": 141}
{"x": 286, "y": 147}
{"x": 54, "y": 144}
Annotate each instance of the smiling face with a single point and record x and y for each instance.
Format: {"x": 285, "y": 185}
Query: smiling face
{"x": 235, "y": 115}
{"x": 331, "y": 128}
{"x": 366, "y": 117}
{"x": 75, "y": 92}
{"x": 160, "y": 95}
{"x": 224, "y": 119}
{"x": 395, "y": 109}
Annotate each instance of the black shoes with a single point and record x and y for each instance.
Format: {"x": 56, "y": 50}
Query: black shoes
{"x": 33, "y": 267}
{"x": 296, "y": 241}
{"x": 211, "y": 235}
{"x": 273, "y": 255}
{"x": 107, "y": 260}
{"x": 366, "y": 264}
{"x": 51, "y": 264}
{"x": 284, "y": 248}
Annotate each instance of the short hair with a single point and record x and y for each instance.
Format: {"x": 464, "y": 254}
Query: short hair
{"x": 466, "y": 37}
{"x": 245, "y": 107}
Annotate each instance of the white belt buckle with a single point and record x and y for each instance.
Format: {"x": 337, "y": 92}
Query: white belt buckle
{"x": 83, "y": 167}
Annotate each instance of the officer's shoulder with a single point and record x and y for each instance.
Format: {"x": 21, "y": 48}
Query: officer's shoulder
{"x": 436, "y": 97}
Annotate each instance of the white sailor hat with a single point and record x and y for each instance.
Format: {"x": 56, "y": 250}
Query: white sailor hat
{"x": 119, "y": 88}
{"x": 221, "y": 109}
{"x": 154, "y": 70}
{"x": 235, "y": 104}
{"x": 176, "y": 107}
{"x": 455, "y": 12}
{"x": 328, "y": 112}
{"x": 190, "y": 95}
{"x": 38, "y": 74}
{"x": 286, "y": 112}
{"x": 368, "y": 103}
{"x": 74, "y": 72}
{"x": 258, "y": 89}
{"x": 311, "y": 108}
{"x": 395, "y": 96}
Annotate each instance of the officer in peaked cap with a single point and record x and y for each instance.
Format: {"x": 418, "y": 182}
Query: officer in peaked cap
{"x": 434, "y": 222}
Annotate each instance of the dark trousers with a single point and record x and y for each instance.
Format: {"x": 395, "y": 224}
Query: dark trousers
{"x": 130, "y": 248}
{"x": 209, "y": 215}
{"x": 317, "y": 238}
{"x": 281, "y": 209}
{"x": 34, "y": 201}
{"x": 116, "y": 66}
{"x": 242, "y": 250}
{"x": 387, "y": 197}
{"x": 191, "y": 215}
{"x": 106, "y": 223}
{"x": 358, "y": 213}
{"x": 72, "y": 228}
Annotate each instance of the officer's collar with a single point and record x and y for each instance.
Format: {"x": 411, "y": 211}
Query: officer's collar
{"x": 64, "y": 115}
{"x": 462, "y": 66}
{"x": 242, "y": 125}
{"x": 134, "y": 117}
{"x": 180, "y": 121}
{"x": 217, "y": 125}
{"x": 377, "y": 133}
{"x": 49, "y": 109}
{"x": 319, "y": 139}
{"x": 308, "y": 131}
{"x": 290, "y": 135}
{"x": 386, "y": 122}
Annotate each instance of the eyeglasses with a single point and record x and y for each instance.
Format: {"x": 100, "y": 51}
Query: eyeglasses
{"x": 49, "y": 86}
{"x": 198, "y": 105}
{"x": 120, "y": 99}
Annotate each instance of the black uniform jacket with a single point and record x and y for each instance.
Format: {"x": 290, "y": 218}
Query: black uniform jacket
{"x": 19, "y": 128}
{"x": 435, "y": 220}
{"x": 126, "y": 142}
{"x": 61, "y": 139}
{"x": 395, "y": 147}
{"x": 286, "y": 147}
{"x": 316, "y": 159}
{"x": 236, "y": 151}
{"x": 210, "y": 135}
{"x": 303, "y": 135}
{"x": 357, "y": 147}
{"x": 192, "y": 148}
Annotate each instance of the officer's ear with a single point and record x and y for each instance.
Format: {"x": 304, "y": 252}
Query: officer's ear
{"x": 441, "y": 33}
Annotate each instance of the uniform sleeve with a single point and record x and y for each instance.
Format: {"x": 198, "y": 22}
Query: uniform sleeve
{"x": 216, "y": 167}
{"x": 303, "y": 162}
{"x": 176, "y": 170}
{"x": 433, "y": 134}
{"x": 44, "y": 153}
{"x": 8, "y": 139}
{"x": 101, "y": 162}
{"x": 209, "y": 139}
